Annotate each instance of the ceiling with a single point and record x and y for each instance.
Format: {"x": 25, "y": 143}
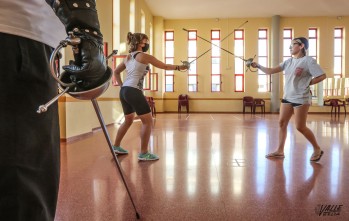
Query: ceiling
{"x": 201, "y": 9}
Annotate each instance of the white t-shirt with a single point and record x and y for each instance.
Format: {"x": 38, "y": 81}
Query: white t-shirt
{"x": 296, "y": 88}
{"x": 33, "y": 19}
{"x": 136, "y": 72}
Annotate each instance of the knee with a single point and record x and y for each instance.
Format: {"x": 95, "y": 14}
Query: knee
{"x": 147, "y": 120}
{"x": 128, "y": 121}
{"x": 283, "y": 124}
{"x": 301, "y": 128}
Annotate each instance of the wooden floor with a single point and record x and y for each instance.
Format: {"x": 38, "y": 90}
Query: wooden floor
{"x": 211, "y": 167}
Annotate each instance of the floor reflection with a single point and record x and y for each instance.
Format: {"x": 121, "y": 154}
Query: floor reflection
{"x": 211, "y": 167}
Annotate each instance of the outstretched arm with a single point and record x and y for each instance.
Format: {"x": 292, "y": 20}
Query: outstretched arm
{"x": 266, "y": 70}
{"x": 146, "y": 58}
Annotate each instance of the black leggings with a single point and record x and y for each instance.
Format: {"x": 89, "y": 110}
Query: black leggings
{"x": 133, "y": 100}
{"x": 29, "y": 142}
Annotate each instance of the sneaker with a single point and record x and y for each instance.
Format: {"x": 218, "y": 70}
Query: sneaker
{"x": 119, "y": 150}
{"x": 147, "y": 156}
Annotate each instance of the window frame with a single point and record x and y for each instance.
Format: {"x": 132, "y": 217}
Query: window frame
{"x": 169, "y": 74}
{"x": 213, "y": 39}
{"x": 237, "y": 60}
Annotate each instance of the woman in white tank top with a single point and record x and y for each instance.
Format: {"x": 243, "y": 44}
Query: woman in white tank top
{"x": 132, "y": 98}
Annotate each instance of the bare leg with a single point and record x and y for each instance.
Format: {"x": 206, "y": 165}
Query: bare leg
{"x": 286, "y": 111}
{"x": 123, "y": 129}
{"x": 147, "y": 124}
{"x": 301, "y": 114}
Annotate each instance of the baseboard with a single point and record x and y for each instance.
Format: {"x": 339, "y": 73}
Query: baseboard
{"x": 84, "y": 135}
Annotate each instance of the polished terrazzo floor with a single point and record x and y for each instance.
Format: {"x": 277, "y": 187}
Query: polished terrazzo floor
{"x": 211, "y": 167}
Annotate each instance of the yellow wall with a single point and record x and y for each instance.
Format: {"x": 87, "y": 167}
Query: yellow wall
{"x": 78, "y": 117}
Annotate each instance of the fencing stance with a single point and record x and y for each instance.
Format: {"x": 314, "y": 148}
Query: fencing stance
{"x": 131, "y": 94}
{"x": 301, "y": 71}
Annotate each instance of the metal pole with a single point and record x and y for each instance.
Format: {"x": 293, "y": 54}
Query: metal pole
{"x": 101, "y": 121}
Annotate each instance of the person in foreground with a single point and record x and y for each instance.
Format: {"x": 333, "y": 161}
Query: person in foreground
{"x": 131, "y": 93}
{"x": 301, "y": 71}
{"x": 30, "y": 142}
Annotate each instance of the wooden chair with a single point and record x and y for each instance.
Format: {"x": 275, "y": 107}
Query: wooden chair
{"x": 183, "y": 100}
{"x": 247, "y": 101}
{"x": 336, "y": 105}
{"x": 258, "y": 102}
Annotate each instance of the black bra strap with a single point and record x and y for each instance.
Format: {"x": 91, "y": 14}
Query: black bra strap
{"x": 134, "y": 56}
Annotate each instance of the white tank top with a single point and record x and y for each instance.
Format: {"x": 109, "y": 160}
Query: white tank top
{"x": 33, "y": 19}
{"x": 136, "y": 72}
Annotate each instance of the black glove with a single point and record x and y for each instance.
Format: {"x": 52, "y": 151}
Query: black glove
{"x": 80, "y": 17}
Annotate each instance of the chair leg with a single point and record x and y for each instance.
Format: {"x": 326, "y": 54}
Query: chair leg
{"x": 345, "y": 111}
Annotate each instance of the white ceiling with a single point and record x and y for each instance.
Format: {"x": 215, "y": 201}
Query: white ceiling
{"x": 200, "y": 9}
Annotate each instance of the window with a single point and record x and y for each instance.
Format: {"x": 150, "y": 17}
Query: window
{"x": 338, "y": 53}
{"x": 239, "y": 63}
{"x": 116, "y": 23}
{"x": 153, "y": 81}
{"x": 312, "y": 52}
{"x": 192, "y": 73}
{"x": 215, "y": 62}
{"x": 346, "y": 87}
{"x": 117, "y": 59}
{"x": 132, "y": 15}
{"x": 287, "y": 40}
{"x": 147, "y": 81}
{"x": 169, "y": 57}
{"x": 142, "y": 21}
{"x": 263, "y": 53}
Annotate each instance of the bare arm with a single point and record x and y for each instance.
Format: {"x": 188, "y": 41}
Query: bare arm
{"x": 116, "y": 76}
{"x": 266, "y": 70}
{"x": 148, "y": 59}
{"x": 317, "y": 79}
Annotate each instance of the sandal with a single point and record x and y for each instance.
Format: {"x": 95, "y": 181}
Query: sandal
{"x": 275, "y": 155}
{"x": 316, "y": 157}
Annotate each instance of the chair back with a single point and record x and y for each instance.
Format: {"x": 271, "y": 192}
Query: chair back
{"x": 258, "y": 101}
{"x": 247, "y": 99}
{"x": 183, "y": 97}
{"x": 334, "y": 102}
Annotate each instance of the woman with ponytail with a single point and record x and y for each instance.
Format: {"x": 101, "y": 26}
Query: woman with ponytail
{"x": 132, "y": 98}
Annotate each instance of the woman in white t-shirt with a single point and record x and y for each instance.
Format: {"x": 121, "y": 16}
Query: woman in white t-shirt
{"x": 131, "y": 93}
{"x": 301, "y": 71}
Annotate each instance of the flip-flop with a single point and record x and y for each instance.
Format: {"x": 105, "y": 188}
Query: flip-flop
{"x": 317, "y": 157}
{"x": 275, "y": 155}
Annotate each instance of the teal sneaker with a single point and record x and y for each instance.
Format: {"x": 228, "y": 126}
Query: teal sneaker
{"x": 119, "y": 150}
{"x": 147, "y": 156}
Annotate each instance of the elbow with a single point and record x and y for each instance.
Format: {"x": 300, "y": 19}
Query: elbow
{"x": 322, "y": 77}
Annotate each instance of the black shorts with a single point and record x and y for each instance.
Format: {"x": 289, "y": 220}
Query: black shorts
{"x": 133, "y": 100}
{"x": 293, "y": 104}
